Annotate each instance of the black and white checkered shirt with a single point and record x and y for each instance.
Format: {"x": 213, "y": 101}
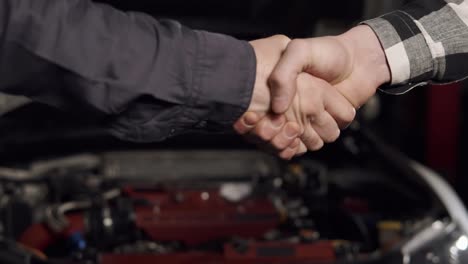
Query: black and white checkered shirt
{"x": 426, "y": 41}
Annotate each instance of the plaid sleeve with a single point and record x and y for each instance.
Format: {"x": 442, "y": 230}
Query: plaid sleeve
{"x": 426, "y": 41}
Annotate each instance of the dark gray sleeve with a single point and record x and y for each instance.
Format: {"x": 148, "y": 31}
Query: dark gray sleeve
{"x": 152, "y": 79}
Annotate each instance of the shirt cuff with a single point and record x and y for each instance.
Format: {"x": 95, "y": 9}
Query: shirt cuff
{"x": 408, "y": 54}
{"x": 224, "y": 77}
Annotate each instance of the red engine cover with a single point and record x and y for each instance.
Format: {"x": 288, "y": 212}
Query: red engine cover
{"x": 195, "y": 217}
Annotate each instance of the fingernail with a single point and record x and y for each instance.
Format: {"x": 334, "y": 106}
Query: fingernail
{"x": 302, "y": 148}
{"x": 250, "y": 119}
{"x": 348, "y": 125}
{"x": 300, "y": 154}
{"x": 291, "y": 132}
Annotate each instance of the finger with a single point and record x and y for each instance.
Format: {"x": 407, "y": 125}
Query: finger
{"x": 318, "y": 95}
{"x": 302, "y": 149}
{"x": 308, "y": 103}
{"x": 310, "y": 94}
{"x": 291, "y": 151}
{"x": 287, "y": 153}
{"x": 247, "y": 122}
{"x": 269, "y": 127}
{"x": 326, "y": 127}
{"x": 311, "y": 139}
{"x": 287, "y": 136}
{"x": 342, "y": 111}
{"x": 295, "y": 144}
{"x": 282, "y": 81}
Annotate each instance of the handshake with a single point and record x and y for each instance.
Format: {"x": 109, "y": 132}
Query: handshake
{"x": 307, "y": 90}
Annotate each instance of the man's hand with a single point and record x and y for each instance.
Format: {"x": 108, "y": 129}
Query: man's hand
{"x": 259, "y": 124}
{"x": 312, "y": 112}
{"x": 311, "y": 116}
{"x": 353, "y": 62}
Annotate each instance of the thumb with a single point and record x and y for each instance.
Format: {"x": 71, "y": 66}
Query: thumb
{"x": 325, "y": 58}
{"x": 247, "y": 123}
{"x": 282, "y": 81}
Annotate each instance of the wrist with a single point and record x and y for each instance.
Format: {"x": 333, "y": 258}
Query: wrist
{"x": 368, "y": 53}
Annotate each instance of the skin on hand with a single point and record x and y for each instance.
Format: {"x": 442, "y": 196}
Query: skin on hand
{"x": 315, "y": 107}
{"x": 259, "y": 124}
{"x": 310, "y": 116}
{"x": 272, "y": 133}
{"x": 311, "y": 112}
{"x": 353, "y": 62}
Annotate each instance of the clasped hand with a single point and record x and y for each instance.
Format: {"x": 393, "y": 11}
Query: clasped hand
{"x": 307, "y": 90}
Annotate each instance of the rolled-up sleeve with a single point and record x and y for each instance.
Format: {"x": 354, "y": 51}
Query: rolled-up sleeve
{"x": 424, "y": 42}
{"x": 149, "y": 79}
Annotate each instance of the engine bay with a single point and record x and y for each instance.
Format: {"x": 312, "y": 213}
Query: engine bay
{"x": 210, "y": 206}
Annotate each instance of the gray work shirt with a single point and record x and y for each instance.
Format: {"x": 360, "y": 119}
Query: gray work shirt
{"x": 150, "y": 79}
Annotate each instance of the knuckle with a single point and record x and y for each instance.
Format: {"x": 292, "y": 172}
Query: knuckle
{"x": 308, "y": 136}
{"x": 324, "y": 122}
{"x": 282, "y": 39}
{"x": 313, "y": 109}
{"x": 314, "y": 117}
{"x": 277, "y": 80}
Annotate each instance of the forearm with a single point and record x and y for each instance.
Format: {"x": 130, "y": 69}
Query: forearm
{"x": 152, "y": 79}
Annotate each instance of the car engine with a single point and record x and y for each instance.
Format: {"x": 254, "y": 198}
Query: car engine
{"x": 211, "y": 206}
